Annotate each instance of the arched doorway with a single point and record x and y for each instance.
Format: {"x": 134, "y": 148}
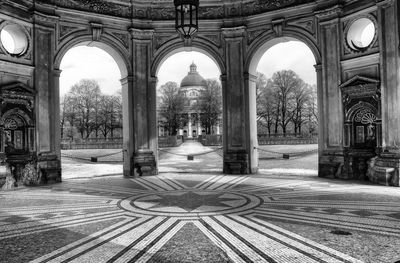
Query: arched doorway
{"x": 189, "y": 109}
{"x": 91, "y": 109}
{"x": 287, "y": 105}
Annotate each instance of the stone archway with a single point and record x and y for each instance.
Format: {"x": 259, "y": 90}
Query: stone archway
{"x": 192, "y": 125}
{"x": 258, "y": 49}
{"x": 115, "y": 52}
{"x": 232, "y": 32}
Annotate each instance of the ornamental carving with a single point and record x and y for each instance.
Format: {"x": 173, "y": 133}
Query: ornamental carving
{"x": 365, "y": 116}
{"x": 360, "y": 87}
{"x": 123, "y": 38}
{"x": 162, "y": 39}
{"x": 96, "y": 6}
{"x": 307, "y": 24}
{"x": 66, "y": 30}
{"x": 165, "y": 10}
{"x": 252, "y": 35}
{"x": 214, "y": 38}
{"x": 211, "y": 12}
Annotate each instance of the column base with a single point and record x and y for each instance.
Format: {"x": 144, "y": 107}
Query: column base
{"x": 144, "y": 164}
{"x": 384, "y": 170}
{"x": 351, "y": 164}
{"x": 331, "y": 166}
{"x": 49, "y": 169}
{"x": 236, "y": 163}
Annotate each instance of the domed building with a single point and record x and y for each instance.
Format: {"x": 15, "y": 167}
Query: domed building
{"x": 191, "y": 86}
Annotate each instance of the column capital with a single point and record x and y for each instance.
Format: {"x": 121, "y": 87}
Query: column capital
{"x": 318, "y": 67}
{"x": 141, "y": 34}
{"x": 223, "y": 78}
{"x": 250, "y": 77}
{"x": 233, "y": 32}
{"x": 57, "y": 72}
{"x": 153, "y": 80}
{"x": 126, "y": 80}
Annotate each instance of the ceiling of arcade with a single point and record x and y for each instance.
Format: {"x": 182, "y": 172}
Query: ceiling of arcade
{"x": 164, "y": 9}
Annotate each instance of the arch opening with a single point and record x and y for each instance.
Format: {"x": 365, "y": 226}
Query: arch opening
{"x": 91, "y": 109}
{"x": 189, "y": 112}
{"x": 285, "y": 82}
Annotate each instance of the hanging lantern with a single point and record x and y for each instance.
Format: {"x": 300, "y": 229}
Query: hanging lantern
{"x": 186, "y": 17}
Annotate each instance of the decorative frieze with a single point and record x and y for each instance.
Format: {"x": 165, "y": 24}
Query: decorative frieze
{"x": 165, "y": 11}
{"x": 232, "y": 32}
{"x": 65, "y": 30}
{"x": 253, "y": 34}
{"x": 308, "y": 24}
{"x": 123, "y": 38}
{"x": 144, "y": 34}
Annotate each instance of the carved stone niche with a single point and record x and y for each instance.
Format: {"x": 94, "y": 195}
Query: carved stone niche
{"x": 362, "y": 125}
{"x": 17, "y": 132}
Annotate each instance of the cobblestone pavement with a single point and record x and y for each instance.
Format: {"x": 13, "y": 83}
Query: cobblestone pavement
{"x": 201, "y": 217}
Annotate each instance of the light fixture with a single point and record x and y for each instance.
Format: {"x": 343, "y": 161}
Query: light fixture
{"x": 186, "y": 17}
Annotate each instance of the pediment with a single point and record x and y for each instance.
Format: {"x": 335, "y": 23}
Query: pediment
{"x": 17, "y": 88}
{"x": 360, "y": 87}
{"x": 359, "y": 80}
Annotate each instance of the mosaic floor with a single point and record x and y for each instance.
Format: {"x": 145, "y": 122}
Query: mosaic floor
{"x": 201, "y": 218}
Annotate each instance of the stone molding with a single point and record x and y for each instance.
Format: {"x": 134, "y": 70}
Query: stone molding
{"x": 233, "y": 32}
{"x": 165, "y": 11}
{"x": 141, "y": 34}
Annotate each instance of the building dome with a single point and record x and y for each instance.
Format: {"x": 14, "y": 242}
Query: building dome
{"x": 193, "y": 78}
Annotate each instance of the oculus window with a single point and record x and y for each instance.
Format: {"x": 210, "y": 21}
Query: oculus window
{"x": 361, "y": 34}
{"x": 13, "y": 39}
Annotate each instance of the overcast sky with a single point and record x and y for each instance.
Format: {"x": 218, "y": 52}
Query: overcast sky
{"x": 94, "y": 63}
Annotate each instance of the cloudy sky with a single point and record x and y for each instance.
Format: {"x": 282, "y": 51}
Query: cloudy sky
{"x": 94, "y": 63}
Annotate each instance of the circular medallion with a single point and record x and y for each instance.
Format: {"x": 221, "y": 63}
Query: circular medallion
{"x": 190, "y": 203}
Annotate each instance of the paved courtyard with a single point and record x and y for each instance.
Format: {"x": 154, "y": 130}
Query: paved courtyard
{"x": 206, "y": 216}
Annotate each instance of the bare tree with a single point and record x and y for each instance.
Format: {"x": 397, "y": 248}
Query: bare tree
{"x": 171, "y": 104}
{"x": 83, "y": 98}
{"x": 284, "y": 83}
{"x": 312, "y": 110}
{"x": 301, "y": 96}
{"x": 63, "y": 106}
{"x": 210, "y": 105}
{"x": 266, "y": 109}
{"x": 110, "y": 114}
{"x": 69, "y": 115}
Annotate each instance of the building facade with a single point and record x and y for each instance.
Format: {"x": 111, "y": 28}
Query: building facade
{"x": 192, "y": 85}
{"x": 358, "y": 81}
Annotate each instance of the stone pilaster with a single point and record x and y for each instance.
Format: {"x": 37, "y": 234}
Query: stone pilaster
{"x": 387, "y": 166}
{"x": 331, "y": 158}
{"x": 239, "y": 115}
{"x": 142, "y": 107}
{"x": 47, "y": 98}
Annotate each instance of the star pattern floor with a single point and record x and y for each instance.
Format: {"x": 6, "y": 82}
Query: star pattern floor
{"x": 201, "y": 218}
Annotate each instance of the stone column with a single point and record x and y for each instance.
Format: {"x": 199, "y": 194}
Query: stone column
{"x": 128, "y": 125}
{"x": 189, "y": 126}
{"x": 331, "y": 158}
{"x": 47, "y": 98}
{"x": 142, "y": 112}
{"x": 56, "y": 110}
{"x": 238, "y": 113}
{"x": 321, "y": 131}
{"x": 388, "y": 163}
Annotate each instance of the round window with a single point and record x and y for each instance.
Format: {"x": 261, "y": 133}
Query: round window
{"x": 14, "y": 39}
{"x": 361, "y": 34}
